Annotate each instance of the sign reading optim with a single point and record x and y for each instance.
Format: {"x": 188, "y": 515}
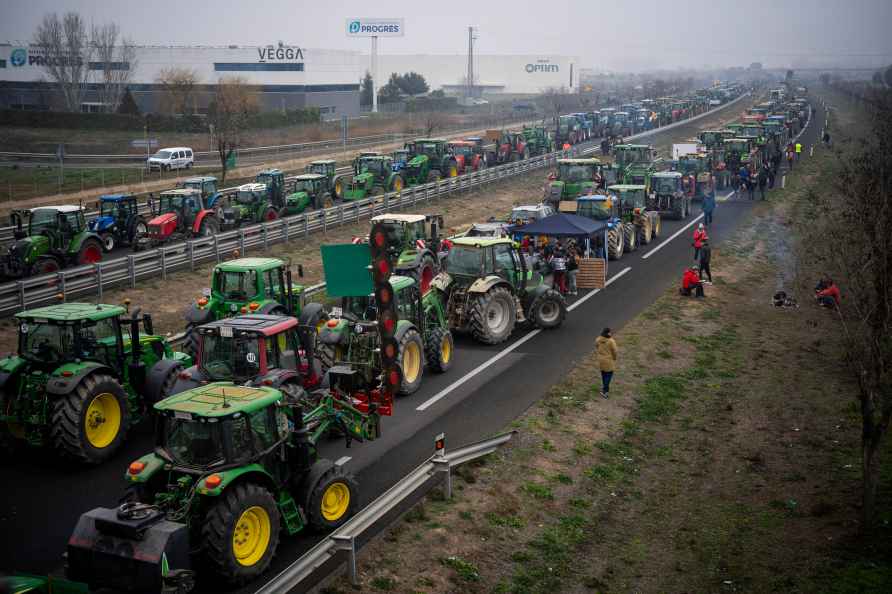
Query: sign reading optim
{"x": 361, "y": 27}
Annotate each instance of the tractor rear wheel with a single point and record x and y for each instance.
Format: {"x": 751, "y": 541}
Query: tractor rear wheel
{"x": 271, "y": 214}
{"x": 630, "y": 234}
{"x": 615, "y": 243}
{"x": 45, "y": 265}
{"x": 90, "y": 252}
{"x": 425, "y": 273}
{"x": 493, "y": 316}
{"x": 439, "y": 349}
{"x": 90, "y": 422}
{"x": 241, "y": 533}
{"x": 190, "y": 340}
{"x": 548, "y": 310}
{"x": 411, "y": 361}
{"x": 328, "y": 495}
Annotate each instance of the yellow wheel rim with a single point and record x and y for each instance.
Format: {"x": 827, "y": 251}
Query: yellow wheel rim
{"x": 103, "y": 420}
{"x": 250, "y": 538}
{"x": 411, "y": 362}
{"x": 445, "y": 350}
{"x": 453, "y": 171}
{"x": 398, "y": 184}
{"x": 335, "y": 501}
{"x": 338, "y": 188}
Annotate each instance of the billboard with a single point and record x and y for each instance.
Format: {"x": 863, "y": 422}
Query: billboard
{"x": 362, "y": 27}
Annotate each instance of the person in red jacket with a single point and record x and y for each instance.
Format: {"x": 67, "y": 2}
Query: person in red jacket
{"x": 690, "y": 283}
{"x": 829, "y": 295}
{"x": 699, "y": 236}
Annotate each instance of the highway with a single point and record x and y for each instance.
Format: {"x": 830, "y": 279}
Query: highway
{"x": 486, "y": 389}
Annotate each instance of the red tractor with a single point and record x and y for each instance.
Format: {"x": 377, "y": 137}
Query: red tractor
{"x": 512, "y": 147}
{"x": 466, "y": 156}
{"x": 179, "y": 214}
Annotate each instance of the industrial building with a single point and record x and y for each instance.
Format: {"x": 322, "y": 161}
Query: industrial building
{"x": 284, "y": 77}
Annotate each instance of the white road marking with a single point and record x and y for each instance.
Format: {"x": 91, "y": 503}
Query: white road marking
{"x": 811, "y": 152}
{"x": 783, "y": 182}
{"x": 497, "y": 357}
{"x": 591, "y": 294}
{"x": 671, "y": 237}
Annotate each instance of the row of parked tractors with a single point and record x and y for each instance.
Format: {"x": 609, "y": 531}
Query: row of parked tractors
{"x": 263, "y": 376}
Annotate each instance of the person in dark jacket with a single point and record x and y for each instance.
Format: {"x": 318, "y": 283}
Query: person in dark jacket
{"x": 705, "y": 257}
{"x": 763, "y": 181}
{"x": 708, "y": 205}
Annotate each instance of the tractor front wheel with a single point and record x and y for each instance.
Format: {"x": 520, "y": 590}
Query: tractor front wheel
{"x": 89, "y": 423}
{"x": 45, "y": 265}
{"x": 328, "y": 495}
{"x": 411, "y": 362}
{"x": 241, "y": 533}
{"x": 615, "y": 243}
{"x": 493, "y": 316}
{"x": 439, "y": 349}
{"x": 90, "y": 252}
{"x": 548, "y": 310}
{"x": 630, "y": 234}
{"x": 271, "y": 214}
{"x": 108, "y": 241}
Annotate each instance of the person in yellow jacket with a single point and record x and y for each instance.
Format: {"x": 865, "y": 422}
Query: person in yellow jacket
{"x": 607, "y": 354}
{"x": 798, "y": 150}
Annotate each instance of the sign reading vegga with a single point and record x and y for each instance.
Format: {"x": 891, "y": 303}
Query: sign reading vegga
{"x": 362, "y": 27}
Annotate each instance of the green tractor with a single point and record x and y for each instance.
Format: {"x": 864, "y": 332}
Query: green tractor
{"x": 289, "y": 198}
{"x": 310, "y": 191}
{"x": 249, "y": 285}
{"x": 251, "y": 203}
{"x": 236, "y": 466}
{"x": 371, "y": 173}
{"x": 641, "y": 225}
{"x": 441, "y": 162}
{"x": 334, "y": 183}
{"x": 56, "y": 237}
{"x": 82, "y": 377}
{"x": 415, "y": 244}
{"x": 573, "y": 178}
{"x": 626, "y": 156}
{"x": 421, "y": 331}
{"x": 488, "y": 289}
{"x": 538, "y": 140}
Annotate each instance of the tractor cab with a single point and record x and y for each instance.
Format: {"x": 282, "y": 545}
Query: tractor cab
{"x": 433, "y": 148}
{"x": 414, "y": 240}
{"x": 711, "y": 138}
{"x": 114, "y": 208}
{"x": 332, "y": 182}
{"x": 378, "y": 165}
{"x": 597, "y": 207}
{"x": 175, "y": 211}
{"x": 666, "y": 183}
{"x": 206, "y": 185}
{"x": 630, "y": 197}
{"x": 250, "y": 285}
{"x": 326, "y": 167}
{"x": 400, "y": 158}
{"x": 629, "y": 154}
{"x": 573, "y": 178}
{"x": 312, "y": 187}
{"x": 250, "y": 204}
{"x": 274, "y": 180}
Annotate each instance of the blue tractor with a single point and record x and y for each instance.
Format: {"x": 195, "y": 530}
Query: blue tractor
{"x": 607, "y": 210}
{"x": 207, "y": 185}
{"x": 119, "y": 220}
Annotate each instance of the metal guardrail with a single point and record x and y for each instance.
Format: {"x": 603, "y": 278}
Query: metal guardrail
{"x": 344, "y": 538}
{"x": 126, "y": 271}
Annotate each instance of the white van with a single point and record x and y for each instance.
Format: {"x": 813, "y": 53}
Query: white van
{"x": 171, "y": 158}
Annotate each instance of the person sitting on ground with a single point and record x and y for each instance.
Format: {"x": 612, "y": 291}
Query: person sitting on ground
{"x": 690, "y": 283}
{"x": 828, "y": 296}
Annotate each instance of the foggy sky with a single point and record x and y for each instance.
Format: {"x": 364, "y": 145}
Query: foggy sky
{"x": 612, "y": 35}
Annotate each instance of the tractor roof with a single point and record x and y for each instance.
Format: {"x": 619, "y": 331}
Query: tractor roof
{"x": 263, "y": 324}
{"x": 71, "y": 312}
{"x": 666, "y": 174}
{"x": 309, "y": 176}
{"x": 220, "y": 399}
{"x": 626, "y": 187}
{"x": 323, "y": 162}
{"x": 243, "y": 264}
{"x": 181, "y": 192}
{"x": 270, "y": 172}
{"x": 460, "y": 143}
{"x": 60, "y": 208}
{"x": 401, "y": 282}
{"x": 199, "y": 179}
{"x": 474, "y": 138}
{"x": 430, "y": 140}
{"x": 480, "y": 241}
{"x": 376, "y": 157}
{"x": 398, "y": 218}
{"x": 252, "y": 187}
{"x": 588, "y": 161}
{"x": 632, "y": 146}
{"x": 115, "y": 197}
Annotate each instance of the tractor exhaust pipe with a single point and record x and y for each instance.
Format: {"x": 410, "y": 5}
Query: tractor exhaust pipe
{"x": 136, "y": 369}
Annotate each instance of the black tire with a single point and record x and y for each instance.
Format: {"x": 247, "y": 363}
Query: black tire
{"x": 411, "y": 346}
{"x": 424, "y": 273}
{"x": 439, "y": 349}
{"x": 630, "y": 237}
{"x": 323, "y": 474}
{"x": 190, "y": 340}
{"x": 219, "y": 528}
{"x": 68, "y": 431}
{"x": 548, "y": 310}
{"x": 108, "y": 242}
{"x": 45, "y": 265}
{"x": 615, "y": 243}
{"x": 90, "y": 252}
{"x": 169, "y": 382}
{"x": 209, "y": 227}
{"x": 483, "y": 310}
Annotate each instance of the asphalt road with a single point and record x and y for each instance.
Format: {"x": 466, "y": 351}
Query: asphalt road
{"x": 485, "y": 390}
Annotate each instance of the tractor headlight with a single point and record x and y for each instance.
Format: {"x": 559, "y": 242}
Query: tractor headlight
{"x": 359, "y": 328}
{"x": 233, "y": 307}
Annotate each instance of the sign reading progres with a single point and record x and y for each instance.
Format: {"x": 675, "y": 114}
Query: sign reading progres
{"x": 361, "y": 27}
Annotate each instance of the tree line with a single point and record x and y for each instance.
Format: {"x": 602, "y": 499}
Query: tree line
{"x": 397, "y": 88}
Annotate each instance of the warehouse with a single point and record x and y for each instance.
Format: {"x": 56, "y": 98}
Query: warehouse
{"x": 284, "y": 76}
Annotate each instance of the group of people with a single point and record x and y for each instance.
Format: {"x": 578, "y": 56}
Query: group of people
{"x": 562, "y": 260}
{"x": 692, "y": 280}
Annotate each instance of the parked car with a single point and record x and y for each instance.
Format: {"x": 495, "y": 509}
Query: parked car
{"x": 171, "y": 158}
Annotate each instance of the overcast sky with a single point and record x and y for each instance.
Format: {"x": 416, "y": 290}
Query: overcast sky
{"x": 614, "y": 34}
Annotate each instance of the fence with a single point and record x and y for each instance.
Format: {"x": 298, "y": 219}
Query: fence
{"x": 127, "y": 271}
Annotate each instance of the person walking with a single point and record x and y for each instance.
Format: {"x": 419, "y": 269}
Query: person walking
{"x": 763, "y": 181}
{"x": 798, "y": 150}
{"x": 705, "y": 257}
{"x": 751, "y": 187}
{"x": 559, "y": 266}
{"x": 708, "y": 206}
{"x": 790, "y": 156}
{"x": 607, "y": 355}
{"x": 826, "y": 139}
{"x": 770, "y": 178}
{"x": 572, "y": 271}
{"x": 699, "y": 236}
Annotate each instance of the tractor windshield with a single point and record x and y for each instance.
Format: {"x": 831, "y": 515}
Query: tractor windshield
{"x": 464, "y": 259}
{"x": 45, "y": 342}
{"x": 304, "y": 185}
{"x": 41, "y": 219}
{"x": 632, "y": 198}
{"x": 570, "y": 172}
{"x": 191, "y": 444}
{"x": 429, "y": 149}
{"x": 246, "y": 197}
{"x": 236, "y": 359}
{"x": 236, "y": 286}
{"x": 360, "y": 308}
{"x": 593, "y": 209}
{"x": 664, "y": 185}
{"x": 375, "y": 166}
{"x": 109, "y": 209}
{"x": 462, "y": 149}
{"x": 169, "y": 203}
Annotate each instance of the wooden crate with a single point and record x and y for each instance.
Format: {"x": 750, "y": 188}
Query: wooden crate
{"x": 592, "y": 273}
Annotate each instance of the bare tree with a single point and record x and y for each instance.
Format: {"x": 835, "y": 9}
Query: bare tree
{"x": 844, "y": 231}
{"x": 65, "y": 53}
{"x": 554, "y": 101}
{"x": 177, "y": 90}
{"x": 233, "y": 105}
{"x": 116, "y": 62}
{"x": 432, "y": 122}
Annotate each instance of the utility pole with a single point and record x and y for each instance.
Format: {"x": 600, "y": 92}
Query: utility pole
{"x": 470, "y": 91}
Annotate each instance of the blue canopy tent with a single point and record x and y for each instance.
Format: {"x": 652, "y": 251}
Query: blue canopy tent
{"x": 567, "y": 225}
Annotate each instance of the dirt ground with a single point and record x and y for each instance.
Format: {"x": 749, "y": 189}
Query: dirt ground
{"x": 726, "y": 460}
{"x": 167, "y": 300}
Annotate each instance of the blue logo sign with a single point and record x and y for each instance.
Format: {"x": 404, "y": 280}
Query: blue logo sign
{"x": 354, "y": 27}
{"x": 18, "y": 57}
